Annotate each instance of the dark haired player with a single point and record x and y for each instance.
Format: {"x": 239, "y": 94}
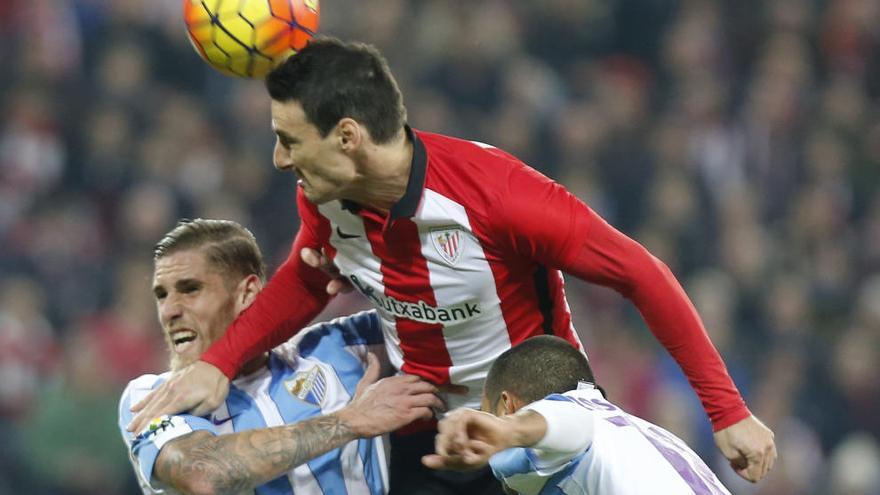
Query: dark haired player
{"x": 554, "y": 432}
{"x": 459, "y": 245}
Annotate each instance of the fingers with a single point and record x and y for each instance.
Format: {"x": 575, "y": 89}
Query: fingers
{"x": 768, "y": 458}
{"x": 204, "y": 408}
{"x": 149, "y": 412}
{"x": 311, "y": 257}
{"x": 321, "y": 261}
{"x": 146, "y": 408}
{"x": 773, "y": 455}
{"x": 146, "y": 400}
{"x": 434, "y": 461}
{"x": 452, "y": 435}
{"x": 338, "y": 285}
{"x": 371, "y": 374}
{"x": 475, "y": 454}
{"x": 428, "y": 400}
{"x": 444, "y": 463}
{"x": 454, "y": 389}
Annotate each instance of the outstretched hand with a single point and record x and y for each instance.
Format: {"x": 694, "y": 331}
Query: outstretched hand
{"x": 199, "y": 388}
{"x": 749, "y": 447}
{"x": 337, "y": 282}
{"x": 386, "y": 405}
{"x": 466, "y": 439}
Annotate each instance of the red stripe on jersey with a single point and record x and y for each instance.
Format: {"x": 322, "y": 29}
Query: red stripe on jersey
{"x": 405, "y": 277}
{"x": 473, "y": 176}
{"x": 562, "y": 326}
{"x": 522, "y": 288}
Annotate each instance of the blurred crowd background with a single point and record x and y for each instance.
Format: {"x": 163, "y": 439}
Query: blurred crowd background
{"x": 738, "y": 140}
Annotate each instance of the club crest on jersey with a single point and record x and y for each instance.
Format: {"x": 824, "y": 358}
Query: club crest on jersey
{"x": 308, "y": 386}
{"x": 448, "y": 242}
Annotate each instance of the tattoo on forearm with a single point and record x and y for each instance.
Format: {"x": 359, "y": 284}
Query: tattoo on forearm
{"x": 244, "y": 460}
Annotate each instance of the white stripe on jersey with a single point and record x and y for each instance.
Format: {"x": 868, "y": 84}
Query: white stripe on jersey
{"x": 622, "y": 454}
{"x": 349, "y": 454}
{"x": 258, "y": 389}
{"x": 486, "y": 337}
{"x": 358, "y": 259}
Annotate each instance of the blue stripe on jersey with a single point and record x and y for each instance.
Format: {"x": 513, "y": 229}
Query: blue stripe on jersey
{"x": 359, "y": 329}
{"x": 143, "y": 447}
{"x": 367, "y": 451}
{"x": 327, "y": 343}
{"x": 146, "y": 453}
{"x": 559, "y": 397}
{"x": 125, "y": 415}
{"x": 517, "y": 461}
{"x": 511, "y": 462}
{"x": 327, "y": 468}
{"x": 246, "y": 416}
{"x": 552, "y": 485}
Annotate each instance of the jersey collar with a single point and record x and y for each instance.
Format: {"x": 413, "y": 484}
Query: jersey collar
{"x": 407, "y": 205}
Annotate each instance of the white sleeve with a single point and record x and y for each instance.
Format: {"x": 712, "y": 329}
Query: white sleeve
{"x": 569, "y": 431}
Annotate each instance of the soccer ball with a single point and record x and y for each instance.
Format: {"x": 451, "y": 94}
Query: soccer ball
{"x": 247, "y": 38}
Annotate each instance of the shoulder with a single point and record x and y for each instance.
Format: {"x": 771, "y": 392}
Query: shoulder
{"x": 482, "y": 176}
{"x": 356, "y": 330}
{"x": 138, "y": 388}
{"x": 446, "y": 153}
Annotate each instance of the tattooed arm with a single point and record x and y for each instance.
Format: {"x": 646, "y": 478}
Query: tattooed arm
{"x": 204, "y": 463}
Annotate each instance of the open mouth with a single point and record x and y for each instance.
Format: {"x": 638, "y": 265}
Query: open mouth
{"x": 183, "y": 339}
{"x": 301, "y": 180}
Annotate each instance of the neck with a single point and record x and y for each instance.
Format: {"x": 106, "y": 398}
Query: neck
{"x": 384, "y": 174}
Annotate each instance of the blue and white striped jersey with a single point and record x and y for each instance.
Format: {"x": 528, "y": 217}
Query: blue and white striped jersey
{"x": 313, "y": 374}
{"x": 593, "y": 447}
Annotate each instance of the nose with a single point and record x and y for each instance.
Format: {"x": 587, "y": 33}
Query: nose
{"x": 170, "y": 309}
{"x": 281, "y": 158}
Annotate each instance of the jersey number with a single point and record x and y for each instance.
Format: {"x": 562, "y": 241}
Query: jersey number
{"x": 690, "y": 467}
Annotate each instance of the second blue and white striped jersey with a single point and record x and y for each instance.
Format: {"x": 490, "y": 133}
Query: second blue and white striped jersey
{"x": 315, "y": 373}
{"x": 592, "y": 447}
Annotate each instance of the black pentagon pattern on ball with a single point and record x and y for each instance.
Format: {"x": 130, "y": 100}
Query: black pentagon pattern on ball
{"x": 252, "y": 57}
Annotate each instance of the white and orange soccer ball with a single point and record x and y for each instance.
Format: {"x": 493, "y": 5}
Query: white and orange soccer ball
{"x": 247, "y": 38}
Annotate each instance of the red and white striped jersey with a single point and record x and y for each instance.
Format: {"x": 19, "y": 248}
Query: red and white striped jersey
{"x": 466, "y": 264}
{"x": 453, "y": 286}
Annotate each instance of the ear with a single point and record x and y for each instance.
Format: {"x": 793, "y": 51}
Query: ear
{"x": 510, "y": 403}
{"x": 350, "y": 134}
{"x": 246, "y": 292}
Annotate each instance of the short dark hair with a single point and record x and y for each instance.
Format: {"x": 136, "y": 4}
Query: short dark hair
{"x": 229, "y": 247}
{"x": 537, "y": 367}
{"x": 333, "y": 79}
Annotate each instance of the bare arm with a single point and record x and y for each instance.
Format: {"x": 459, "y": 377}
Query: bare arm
{"x": 203, "y": 463}
{"x": 466, "y": 438}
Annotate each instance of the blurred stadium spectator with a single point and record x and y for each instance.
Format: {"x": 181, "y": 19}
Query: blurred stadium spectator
{"x": 740, "y": 141}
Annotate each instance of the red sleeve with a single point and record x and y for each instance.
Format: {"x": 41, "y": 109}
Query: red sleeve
{"x": 291, "y": 299}
{"x": 546, "y": 223}
{"x": 537, "y": 217}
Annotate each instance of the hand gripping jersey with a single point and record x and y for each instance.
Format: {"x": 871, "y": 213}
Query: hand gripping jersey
{"x": 314, "y": 374}
{"x": 468, "y": 263}
{"x": 592, "y": 447}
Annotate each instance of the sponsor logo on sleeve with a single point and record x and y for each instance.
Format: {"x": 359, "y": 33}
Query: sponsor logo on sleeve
{"x": 163, "y": 429}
